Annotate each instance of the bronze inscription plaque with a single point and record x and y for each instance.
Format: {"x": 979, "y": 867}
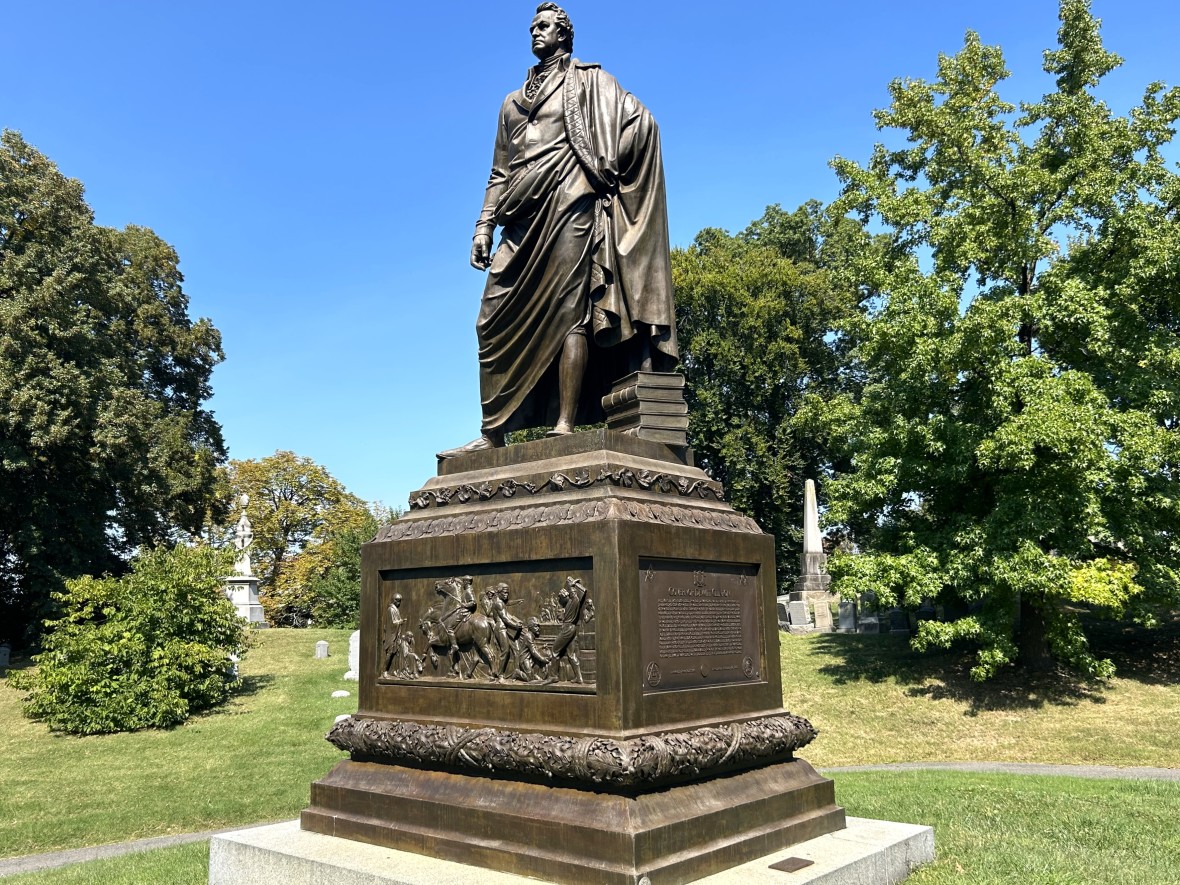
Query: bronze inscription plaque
{"x": 701, "y": 623}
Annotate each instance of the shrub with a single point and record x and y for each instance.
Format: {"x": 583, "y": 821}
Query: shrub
{"x": 143, "y": 651}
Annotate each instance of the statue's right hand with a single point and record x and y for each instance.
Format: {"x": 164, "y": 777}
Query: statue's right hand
{"x": 481, "y": 252}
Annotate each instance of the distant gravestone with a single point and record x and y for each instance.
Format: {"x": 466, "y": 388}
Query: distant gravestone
{"x": 5, "y": 656}
{"x": 354, "y": 656}
{"x": 784, "y": 617}
{"x": 847, "y": 616}
{"x": 823, "y": 616}
{"x": 867, "y": 618}
{"x": 899, "y": 622}
{"x": 340, "y": 694}
{"x": 321, "y": 649}
{"x": 800, "y": 616}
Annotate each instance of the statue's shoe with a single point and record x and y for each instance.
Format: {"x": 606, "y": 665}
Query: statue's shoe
{"x": 476, "y": 445}
{"x": 561, "y": 429}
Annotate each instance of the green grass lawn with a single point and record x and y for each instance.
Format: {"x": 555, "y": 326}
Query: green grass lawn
{"x": 990, "y": 829}
{"x": 250, "y": 761}
{"x": 182, "y": 865}
{"x": 253, "y": 761}
{"x": 873, "y": 700}
{"x": 1000, "y": 829}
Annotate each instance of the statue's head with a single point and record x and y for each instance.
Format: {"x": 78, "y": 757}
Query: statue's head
{"x": 552, "y": 31}
{"x": 397, "y": 599}
{"x": 502, "y": 590}
{"x": 534, "y": 625}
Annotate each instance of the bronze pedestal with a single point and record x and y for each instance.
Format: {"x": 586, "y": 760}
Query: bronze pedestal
{"x": 570, "y": 670}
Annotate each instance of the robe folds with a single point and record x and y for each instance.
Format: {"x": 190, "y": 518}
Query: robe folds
{"x": 577, "y": 185}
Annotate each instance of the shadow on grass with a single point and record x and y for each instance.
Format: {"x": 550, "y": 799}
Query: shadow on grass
{"x": 947, "y": 675}
{"x": 1150, "y": 656}
{"x": 249, "y": 686}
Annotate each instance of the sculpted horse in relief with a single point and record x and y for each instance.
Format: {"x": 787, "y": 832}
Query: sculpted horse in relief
{"x": 455, "y": 629}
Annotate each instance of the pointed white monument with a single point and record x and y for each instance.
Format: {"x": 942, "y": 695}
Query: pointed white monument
{"x": 242, "y": 586}
{"x": 811, "y": 589}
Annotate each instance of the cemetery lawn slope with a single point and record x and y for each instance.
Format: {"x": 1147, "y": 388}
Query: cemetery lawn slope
{"x": 990, "y": 829}
{"x": 874, "y": 701}
{"x": 997, "y": 829}
{"x": 249, "y": 761}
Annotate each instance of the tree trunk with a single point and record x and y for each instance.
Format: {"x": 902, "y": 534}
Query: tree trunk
{"x": 1034, "y": 645}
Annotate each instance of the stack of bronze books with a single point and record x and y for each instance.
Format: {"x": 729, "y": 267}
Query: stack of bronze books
{"x": 649, "y": 405}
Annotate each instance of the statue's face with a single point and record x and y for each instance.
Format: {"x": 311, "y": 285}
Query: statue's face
{"x": 547, "y": 36}
{"x": 504, "y": 593}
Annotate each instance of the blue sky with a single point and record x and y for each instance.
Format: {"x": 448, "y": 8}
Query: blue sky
{"x": 319, "y": 168}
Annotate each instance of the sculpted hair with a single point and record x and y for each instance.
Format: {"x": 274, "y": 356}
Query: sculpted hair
{"x": 562, "y": 20}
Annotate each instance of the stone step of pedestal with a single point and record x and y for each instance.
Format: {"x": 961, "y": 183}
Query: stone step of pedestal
{"x": 866, "y": 852}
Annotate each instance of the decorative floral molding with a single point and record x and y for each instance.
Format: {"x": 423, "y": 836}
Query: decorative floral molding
{"x": 665, "y": 483}
{"x": 639, "y": 762}
{"x": 557, "y": 514}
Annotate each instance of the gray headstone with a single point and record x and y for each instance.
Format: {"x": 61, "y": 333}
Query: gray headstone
{"x": 800, "y": 616}
{"x": 784, "y": 617}
{"x": 5, "y": 655}
{"x": 354, "y": 656}
{"x": 321, "y": 649}
{"x": 847, "y": 616}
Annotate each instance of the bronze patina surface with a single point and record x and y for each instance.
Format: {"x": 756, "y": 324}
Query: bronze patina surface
{"x": 564, "y": 834}
{"x": 543, "y": 713}
{"x": 700, "y": 623}
{"x": 569, "y": 662}
{"x": 579, "y": 286}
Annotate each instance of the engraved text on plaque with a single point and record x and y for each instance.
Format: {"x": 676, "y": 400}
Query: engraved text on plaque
{"x": 701, "y": 623}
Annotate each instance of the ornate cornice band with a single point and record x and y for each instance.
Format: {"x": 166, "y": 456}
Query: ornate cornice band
{"x": 665, "y": 483}
{"x": 557, "y": 514}
{"x": 640, "y": 762}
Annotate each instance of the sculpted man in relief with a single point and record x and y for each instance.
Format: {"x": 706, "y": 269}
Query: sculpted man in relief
{"x": 579, "y": 288}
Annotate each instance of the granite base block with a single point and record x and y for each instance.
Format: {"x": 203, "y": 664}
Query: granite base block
{"x": 867, "y": 852}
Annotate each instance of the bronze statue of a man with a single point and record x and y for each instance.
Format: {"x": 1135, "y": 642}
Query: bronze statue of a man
{"x": 579, "y": 289}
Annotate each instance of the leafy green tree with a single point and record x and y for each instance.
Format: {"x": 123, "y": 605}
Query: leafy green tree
{"x": 1016, "y": 444}
{"x": 756, "y": 316}
{"x": 333, "y": 571}
{"x": 104, "y": 442}
{"x": 305, "y": 525}
{"x": 143, "y": 651}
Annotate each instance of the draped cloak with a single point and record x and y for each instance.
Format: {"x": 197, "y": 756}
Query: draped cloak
{"x": 577, "y": 185}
